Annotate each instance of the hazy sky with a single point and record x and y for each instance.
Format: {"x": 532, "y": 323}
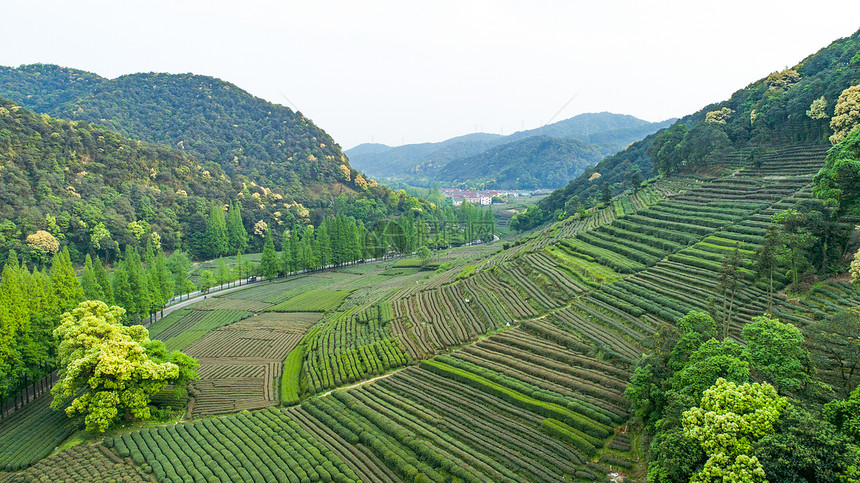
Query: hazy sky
{"x": 415, "y": 71}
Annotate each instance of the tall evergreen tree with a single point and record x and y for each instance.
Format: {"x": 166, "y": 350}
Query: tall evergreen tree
{"x": 236, "y": 233}
{"x": 767, "y": 262}
{"x": 307, "y": 255}
{"x": 180, "y": 266}
{"x": 269, "y": 266}
{"x": 355, "y": 238}
{"x": 286, "y": 253}
{"x": 137, "y": 282}
{"x": 730, "y": 278}
{"x": 44, "y": 317}
{"x": 323, "y": 244}
{"x": 295, "y": 245}
{"x": 121, "y": 287}
{"x": 217, "y": 241}
{"x": 103, "y": 281}
{"x": 66, "y": 287}
{"x": 14, "y": 322}
{"x": 222, "y": 273}
{"x": 89, "y": 283}
{"x": 155, "y": 295}
{"x": 165, "y": 278}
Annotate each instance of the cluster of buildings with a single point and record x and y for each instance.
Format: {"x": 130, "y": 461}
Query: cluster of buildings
{"x": 482, "y": 197}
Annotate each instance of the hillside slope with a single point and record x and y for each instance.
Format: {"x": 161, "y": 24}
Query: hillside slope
{"x": 769, "y": 112}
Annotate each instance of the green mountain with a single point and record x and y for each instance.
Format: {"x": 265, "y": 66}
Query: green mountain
{"x": 253, "y": 141}
{"x": 766, "y": 114}
{"x": 430, "y": 163}
{"x": 96, "y": 191}
{"x": 531, "y": 163}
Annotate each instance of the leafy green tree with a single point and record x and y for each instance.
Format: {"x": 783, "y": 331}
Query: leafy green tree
{"x": 104, "y": 367}
{"x": 647, "y": 389}
{"x": 713, "y": 360}
{"x": 776, "y": 352}
{"x": 729, "y": 420}
{"x": 838, "y": 182}
{"x": 854, "y": 269}
{"x": 730, "y": 278}
{"x": 846, "y": 114}
{"x": 797, "y": 238}
{"x": 804, "y": 448}
{"x": 217, "y": 239}
{"x": 635, "y": 180}
{"x": 844, "y": 414}
{"x": 696, "y": 328}
{"x": 425, "y": 255}
{"x": 666, "y": 149}
{"x": 817, "y": 112}
{"x": 269, "y": 266}
{"x": 767, "y": 260}
{"x": 836, "y": 340}
{"x": 180, "y": 268}
{"x": 676, "y": 457}
{"x": 207, "y": 281}
{"x": 223, "y": 273}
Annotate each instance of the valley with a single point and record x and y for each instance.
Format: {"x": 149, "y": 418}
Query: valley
{"x": 684, "y": 307}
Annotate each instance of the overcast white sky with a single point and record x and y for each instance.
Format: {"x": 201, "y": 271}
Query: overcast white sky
{"x": 400, "y": 72}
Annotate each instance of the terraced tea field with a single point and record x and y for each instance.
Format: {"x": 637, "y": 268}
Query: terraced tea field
{"x": 500, "y": 365}
{"x": 241, "y": 364}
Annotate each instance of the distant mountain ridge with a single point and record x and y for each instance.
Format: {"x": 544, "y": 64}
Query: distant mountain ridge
{"x": 598, "y": 135}
{"x": 542, "y": 161}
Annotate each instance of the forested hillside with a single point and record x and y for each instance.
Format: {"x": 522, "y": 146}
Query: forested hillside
{"x": 496, "y": 161}
{"x": 792, "y": 106}
{"x": 82, "y": 186}
{"x": 254, "y": 142}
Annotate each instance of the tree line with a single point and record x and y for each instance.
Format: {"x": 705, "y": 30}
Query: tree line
{"x": 339, "y": 240}
{"x": 33, "y": 301}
